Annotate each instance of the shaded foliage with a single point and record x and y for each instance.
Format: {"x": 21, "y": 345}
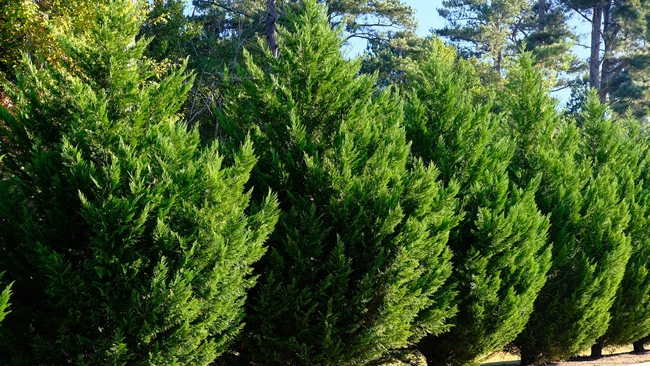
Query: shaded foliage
{"x": 126, "y": 242}
{"x": 359, "y": 260}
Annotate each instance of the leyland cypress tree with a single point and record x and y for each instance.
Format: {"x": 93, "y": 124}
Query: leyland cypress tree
{"x": 4, "y": 301}
{"x": 359, "y": 259}
{"x": 500, "y": 252}
{"x": 623, "y": 143}
{"x": 128, "y": 244}
{"x": 588, "y": 222}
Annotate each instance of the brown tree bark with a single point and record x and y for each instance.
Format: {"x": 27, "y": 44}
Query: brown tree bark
{"x": 499, "y": 62}
{"x": 639, "y": 346}
{"x": 271, "y": 19}
{"x": 594, "y": 58}
{"x": 541, "y": 14}
{"x": 605, "y": 70}
{"x": 597, "y": 350}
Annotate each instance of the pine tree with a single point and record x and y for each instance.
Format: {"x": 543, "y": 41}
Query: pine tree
{"x": 217, "y": 31}
{"x": 389, "y": 57}
{"x": 623, "y": 141}
{"x": 500, "y": 249}
{"x": 359, "y": 259}
{"x": 588, "y": 222}
{"x": 620, "y": 54}
{"x": 362, "y": 19}
{"x": 551, "y": 40}
{"x": 170, "y": 30}
{"x": 128, "y": 244}
{"x": 483, "y": 29}
{"x": 495, "y": 30}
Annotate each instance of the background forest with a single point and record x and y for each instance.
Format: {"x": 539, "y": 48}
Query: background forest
{"x": 219, "y": 183}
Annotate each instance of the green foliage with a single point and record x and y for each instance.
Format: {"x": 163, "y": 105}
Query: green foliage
{"x": 551, "y": 40}
{"x": 170, "y": 31}
{"x": 4, "y": 301}
{"x": 128, "y": 244}
{"x": 626, "y": 63}
{"x": 493, "y": 31}
{"x": 625, "y": 142}
{"x": 370, "y": 20}
{"x": 359, "y": 259}
{"x": 620, "y": 73}
{"x": 215, "y": 34}
{"x": 484, "y": 29}
{"x": 630, "y": 90}
{"x": 580, "y": 190}
{"x": 30, "y": 27}
{"x": 500, "y": 251}
{"x": 390, "y": 57}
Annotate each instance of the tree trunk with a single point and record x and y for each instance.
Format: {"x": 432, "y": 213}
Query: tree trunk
{"x": 541, "y": 14}
{"x": 606, "y": 66}
{"x": 594, "y": 58}
{"x": 639, "y": 346}
{"x": 499, "y": 61}
{"x": 528, "y": 359}
{"x": 271, "y": 19}
{"x": 597, "y": 351}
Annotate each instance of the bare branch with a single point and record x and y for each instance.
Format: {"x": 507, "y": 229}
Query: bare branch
{"x": 392, "y": 24}
{"x": 560, "y": 88}
{"x": 367, "y": 36}
{"x": 577, "y": 11}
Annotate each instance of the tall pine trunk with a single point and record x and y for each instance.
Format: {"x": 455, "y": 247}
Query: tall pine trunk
{"x": 594, "y": 58}
{"x": 605, "y": 71}
{"x": 271, "y": 20}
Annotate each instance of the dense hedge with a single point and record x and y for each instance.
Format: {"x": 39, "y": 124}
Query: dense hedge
{"x": 444, "y": 214}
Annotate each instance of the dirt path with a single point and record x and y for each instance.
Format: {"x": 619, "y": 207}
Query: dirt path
{"x": 615, "y": 359}
{"x": 636, "y": 359}
{"x": 612, "y": 357}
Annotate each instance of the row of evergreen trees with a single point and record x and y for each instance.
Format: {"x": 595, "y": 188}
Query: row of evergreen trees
{"x": 443, "y": 217}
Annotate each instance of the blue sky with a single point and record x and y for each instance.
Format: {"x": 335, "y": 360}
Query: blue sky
{"x": 427, "y": 15}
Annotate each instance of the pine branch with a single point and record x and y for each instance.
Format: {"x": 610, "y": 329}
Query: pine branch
{"x": 209, "y": 2}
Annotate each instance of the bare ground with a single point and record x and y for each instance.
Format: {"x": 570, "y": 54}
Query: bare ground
{"x": 613, "y": 357}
